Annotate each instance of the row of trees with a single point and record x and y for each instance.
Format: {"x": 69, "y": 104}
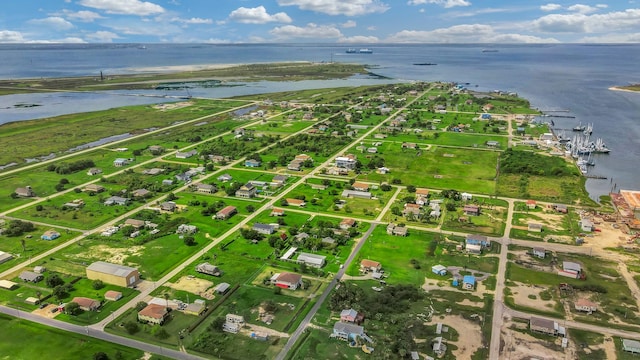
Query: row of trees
{"x": 69, "y": 168}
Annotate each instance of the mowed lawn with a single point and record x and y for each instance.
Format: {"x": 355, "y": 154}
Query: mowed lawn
{"x": 32, "y": 341}
{"x": 438, "y": 167}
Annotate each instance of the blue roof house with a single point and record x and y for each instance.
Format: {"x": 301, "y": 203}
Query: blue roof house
{"x": 469, "y": 282}
{"x": 252, "y": 163}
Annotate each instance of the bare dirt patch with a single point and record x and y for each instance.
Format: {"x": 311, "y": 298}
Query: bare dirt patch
{"x": 172, "y": 106}
{"x": 521, "y": 346}
{"x": 110, "y": 254}
{"x": 552, "y": 221}
{"x": 46, "y": 311}
{"x": 521, "y": 295}
{"x": 194, "y": 285}
{"x": 469, "y": 339}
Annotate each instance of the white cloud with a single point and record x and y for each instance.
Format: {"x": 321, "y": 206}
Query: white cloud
{"x": 551, "y": 7}
{"x": 309, "y": 31}
{"x": 53, "y": 22}
{"x": 82, "y": 15}
{"x": 8, "y": 36}
{"x": 143, "y": 28}
{"x": 372, "y": 28}
{"x": 349, "y": 24}
{"x": 342, "y": 7}
{"x": 581, "y": 23}
{"x": 359, "y": 39}
{"x": 102, "y": 36}
{"x": 124, "y": 7}
{"x": 443, "y": 3}
{"x": 257, "y": 15}
{"x": 612, "y": 38}
{"x": 582, "y": 9}
{"x": 193, "y": 20}
{"x": 469, "y": 33}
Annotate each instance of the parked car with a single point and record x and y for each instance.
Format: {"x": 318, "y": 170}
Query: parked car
{"x": 54, "y": 310}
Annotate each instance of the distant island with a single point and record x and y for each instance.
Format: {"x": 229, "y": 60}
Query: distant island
{"x": 632, "y": 88}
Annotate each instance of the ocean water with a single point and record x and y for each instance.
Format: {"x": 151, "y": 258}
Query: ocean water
{"x": 570, "y": 77}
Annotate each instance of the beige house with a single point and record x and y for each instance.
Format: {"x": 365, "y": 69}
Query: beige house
{"x": 153, "y": 314}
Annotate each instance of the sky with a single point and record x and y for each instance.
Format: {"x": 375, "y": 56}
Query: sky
{"x": 319, "y": 21}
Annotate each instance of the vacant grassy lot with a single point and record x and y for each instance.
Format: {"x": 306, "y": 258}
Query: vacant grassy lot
{"x": 36, "y": 340}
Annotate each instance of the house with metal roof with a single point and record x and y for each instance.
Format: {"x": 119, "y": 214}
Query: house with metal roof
{"x": 114, "y": 274}
{"x": 312, "y": 260}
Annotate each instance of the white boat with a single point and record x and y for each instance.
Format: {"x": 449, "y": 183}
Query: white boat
{"x": 365, "y": 51}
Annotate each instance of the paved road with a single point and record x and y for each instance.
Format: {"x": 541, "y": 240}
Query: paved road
{"x": 86, "y": 331}
{"x": 307, "y": 319}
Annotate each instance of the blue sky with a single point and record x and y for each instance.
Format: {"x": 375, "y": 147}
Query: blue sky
{"x": 319, "y": 21}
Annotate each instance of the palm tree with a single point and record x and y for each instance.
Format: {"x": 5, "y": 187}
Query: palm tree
{"x": 166, "y": 298}
{"x": 23, "y": 242}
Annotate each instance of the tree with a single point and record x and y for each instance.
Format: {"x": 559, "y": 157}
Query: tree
{"x": 131, "y": 327}
{"x": 60, "y": 292}
{"x": 159, "y": 332}
{"x": 97, "y": 284}
{"x": 171, "y": 197}
{"x": 189, "y": 240}
{"x": 54, "y": 280}
{"x": 217, "y": 323}
{"x": 411, "y": 188}
{"x": 23, "y": 242}
{"x": 100, "y": 356}
{"x": 39, "y": 207}
{"x": 128, "y": 230}
{"x": 250, "y": 208}
{"x": 72, "y": 308}
{"x": 140, "y": 305}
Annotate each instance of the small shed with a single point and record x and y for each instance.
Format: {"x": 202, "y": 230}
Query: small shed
{"x": 469, "y": 282}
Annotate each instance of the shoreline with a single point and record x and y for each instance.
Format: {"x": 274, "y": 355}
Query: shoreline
{"x": 618, "y": 88}
{"x": 199, "y": 67}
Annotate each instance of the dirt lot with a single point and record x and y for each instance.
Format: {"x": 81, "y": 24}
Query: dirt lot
{"x": 521, "y": 294}
{"x": 172, "y": 106}
{"x": 193, "y": 285}
{"x": 46, "y": 311}
{"x": 469, "y": 339}
{"x": 110, "y": 254}
{"x": 522, "y": 346}
{"x": 552, "y": 221}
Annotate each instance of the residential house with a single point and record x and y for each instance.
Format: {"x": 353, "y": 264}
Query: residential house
{"x": 347, "y": 331}
{"x": 586, "y": 225}
{"x": 186, "y": 154}
{"x": 226, "y": 212}
{"x": 135, "y": 223}
{"x": 252, "y": 163}
{"x": 155, "y": 149}
{"x": 469, "y": 282}
{"x": 206, "y": 268}
{"x": 439, "y": 270}
{"x": 438, "y": 346}
{"x": 351, "y": 316}
{"x": 295, "y": 165}
{"x": 219, "y": 158}
{"x": 247, "y": 190}
{"x": 279, "y": 179}
{"x": 473, "y": 249}
{"x": 407, "y": 145}
{"x": 277, "y": 212}
{"x": 422, "y": 192}
{"x": 222, "y": 288}
{"x": 360, "y": 186}
{"x": 631, "y": 346}
{"x": 186, "y": 229}
{"x": 287, "y": 280}
{"x": 356, "y": 194}
{"x": 383, "y": 170}
{"x": 114, "y": 274}
{"x": 534, "y": 227}
{"x": 26, "y": 191}
{"x": 312, "y": 260}
{"x": 367, "y": 265}
{"x": 205, "y": 188}
{"x": 86, "y": 304}
{"x": 478, "y": 240}
{"x": 411, "y": 210}
{"x": 4, "y": 257}
{"x": 94, "y": 171}
{"x": 466, "y": 196}
{"x": 539, "y": 252}
{"x": 585, "y": 305}
{"x": 112, "y": 295}
{"x": 153, "y": 314}
{"x": 531, "y": 204}
{"x": 393, "y": 229}
{"x": 347, "y": 223}
{"x": 492, "y": 143}
{"x": 50, "y": 235}
{"x": 93, "y": 188}
{"x": 265, "y": 229}
{"x": 167, "y": 182}
{"x": 570, "y": 269}
{"x": 120, "y": 162}
{"x": 74, "y": 204}
{"x": 116, "y": 200}
{"x": 303, "y": 157}
{"x": 233, "y": 323}
{"x": 225, "y": 178}
{"x": 561, "y": 208}
{"x": 168, "y": 206}
{"x": 140, "y": 193}
{"x": 30, "y": 276}
{"x": 545, "y": 326}
{"x": 473, "y": 210}
{"x": 295, "y": 202}
{"x": 346, "y": 162}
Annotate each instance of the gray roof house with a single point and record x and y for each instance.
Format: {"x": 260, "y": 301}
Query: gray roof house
{"x": 313, "y": 260}
{"x": 30, "y": 276}
{"x": 264, "y": 228}
{"x": 347, "y": 331}
{"x": 116, "y": 200}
